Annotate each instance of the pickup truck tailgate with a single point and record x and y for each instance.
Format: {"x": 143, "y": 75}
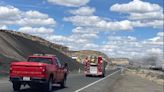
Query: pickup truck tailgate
{"x": 29, "y": 70}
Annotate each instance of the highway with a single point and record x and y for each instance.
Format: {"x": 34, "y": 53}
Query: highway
{"x": 74, "y": 83}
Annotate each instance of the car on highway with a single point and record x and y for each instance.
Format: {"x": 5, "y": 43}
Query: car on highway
{"x": 39, "y": 70}
{"x": 95, "y": 66}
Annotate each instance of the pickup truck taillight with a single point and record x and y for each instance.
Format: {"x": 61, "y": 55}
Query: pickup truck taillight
{"x": 11, "y": 69}
{"x": 43, "y": 70}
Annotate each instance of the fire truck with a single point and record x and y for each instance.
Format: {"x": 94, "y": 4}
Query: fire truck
{"x": 94, "y": 66}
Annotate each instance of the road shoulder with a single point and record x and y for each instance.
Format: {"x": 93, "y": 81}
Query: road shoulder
{"x": 132, "y": 83}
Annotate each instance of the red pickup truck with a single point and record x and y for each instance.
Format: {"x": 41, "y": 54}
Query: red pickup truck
{"x": 39, "y": 70}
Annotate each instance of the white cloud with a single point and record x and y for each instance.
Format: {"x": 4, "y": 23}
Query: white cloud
{"x": 83, "y": 11}
{"x": 157, "y": 40}
{"x": 135, "y": 6}
{"x": 89, "y": 35}
{"x": 32, "y": 22}
{"x": 129, "y": 46}
{"x": 155, "y": 51}
{"x": 36, "y": 31}
{"x": 10, "y": 15}
{"x": 91, "y": 46}
{"x": 97, "y": 22}
{"x": 83, "y": 30}
{"x": 3, "y": 27}
{"x": 35, "y": 14}
{"x": 143, "y": 14}
{"x": 132, "y": 38}
{"x": 36, "y": 22}
{"x": 69, "y": 3}
{"x": 158, "y": 15}
{"x": 67, "y": 39}
{"x": 86, "y": 33}
{"x": 35, "y": 18}
{"x": 122, "y": 46}
{"x": 108, "y": 48}
{"x": 79, "y": 40}
{"x": 152, "y": 23}
{"x": 161, "y": 34}
{"x": 9, "y": 12}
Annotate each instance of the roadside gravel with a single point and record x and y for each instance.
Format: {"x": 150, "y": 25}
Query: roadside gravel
{"x": 132, "y": 83}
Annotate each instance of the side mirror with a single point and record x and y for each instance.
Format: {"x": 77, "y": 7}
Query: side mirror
{"x": 65, "y": 65}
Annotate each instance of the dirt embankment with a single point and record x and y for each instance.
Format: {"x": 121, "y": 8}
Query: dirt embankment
{"x": 129, "y": 82}
{"x": 14, "y": 47}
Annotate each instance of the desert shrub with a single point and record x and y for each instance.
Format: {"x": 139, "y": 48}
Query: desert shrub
{"x": 160, "y": 76}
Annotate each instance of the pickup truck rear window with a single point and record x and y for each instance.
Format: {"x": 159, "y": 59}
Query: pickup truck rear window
{"x": 41, "y": 60}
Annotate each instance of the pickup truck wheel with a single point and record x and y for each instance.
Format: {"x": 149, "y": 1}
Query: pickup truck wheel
{"x": 63, "y": 83}
{"x": 49, "y": 85}
{"x": 103, "y": 75}
{"x": 86, "y": 75}
{"x": 16, "y": 86}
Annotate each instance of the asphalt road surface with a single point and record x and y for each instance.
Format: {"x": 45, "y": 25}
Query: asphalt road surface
{"x": 74, "y": 82}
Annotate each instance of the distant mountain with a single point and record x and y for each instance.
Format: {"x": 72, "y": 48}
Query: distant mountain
{"x": 84, "y": 53}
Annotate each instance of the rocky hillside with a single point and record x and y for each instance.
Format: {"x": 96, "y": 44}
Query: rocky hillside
{"x": 17, "y": 46}
{"x": 42, "y": 41}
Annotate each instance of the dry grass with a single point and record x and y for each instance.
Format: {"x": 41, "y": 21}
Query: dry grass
{"x": 155, "y": 76}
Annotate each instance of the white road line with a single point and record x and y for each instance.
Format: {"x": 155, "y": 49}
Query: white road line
{"x": 96, "y": 82}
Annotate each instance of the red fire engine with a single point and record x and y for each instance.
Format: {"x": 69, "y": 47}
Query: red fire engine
{"x": 95, "y": 66}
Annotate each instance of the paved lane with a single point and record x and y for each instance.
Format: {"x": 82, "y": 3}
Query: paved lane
{"x": 74, "y": 82}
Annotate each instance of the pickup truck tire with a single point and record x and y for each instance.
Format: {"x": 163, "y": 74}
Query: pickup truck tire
{"x": 63, "y": 83}
{"x": 103, "y": 75}
{"x": 16, "y": 86}
{"x": 48, "y": 87}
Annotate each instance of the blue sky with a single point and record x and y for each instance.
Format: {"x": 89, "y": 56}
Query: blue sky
{"x": 115, "y": 27}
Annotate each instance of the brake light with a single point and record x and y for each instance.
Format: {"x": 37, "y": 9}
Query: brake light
{"x": 101, "y": 61}
{"x": 11, "y": 69}
{"x": 44, "y": 69}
